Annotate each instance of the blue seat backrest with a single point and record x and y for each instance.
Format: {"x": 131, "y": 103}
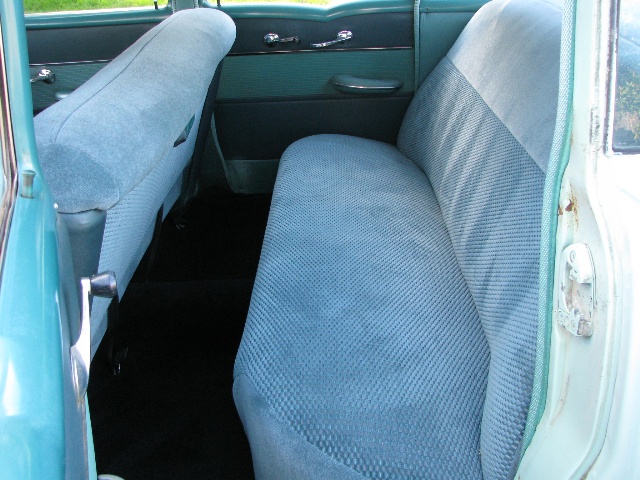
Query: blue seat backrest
{"x": 101, "y": 141}
{"x": 481, "y": 128}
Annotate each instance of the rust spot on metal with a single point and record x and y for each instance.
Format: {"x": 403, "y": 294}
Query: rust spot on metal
{"x": 573, "y": 208}
{"x": 569, "y": 204}
{"x": 569, "y": 207}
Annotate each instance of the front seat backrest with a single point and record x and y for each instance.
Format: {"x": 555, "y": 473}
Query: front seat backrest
{"x": 117, "y": 144}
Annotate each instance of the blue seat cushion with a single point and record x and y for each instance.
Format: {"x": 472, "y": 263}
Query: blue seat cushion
{"x": 358, "y": 298}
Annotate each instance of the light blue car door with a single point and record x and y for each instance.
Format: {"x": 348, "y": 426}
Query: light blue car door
{"x": 43, "y": 419}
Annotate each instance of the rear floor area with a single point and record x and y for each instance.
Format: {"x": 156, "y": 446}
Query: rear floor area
{"x": 170, "y": 413}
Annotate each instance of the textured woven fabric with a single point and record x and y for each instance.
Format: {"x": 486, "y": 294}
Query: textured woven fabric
{"x": 110, "y": 144}
{"x": 101, "y": 141}
{"x": 362, "y": 334}
{"x": 394, "y": 317}
{"x": 490, "y": 192}
{"x": 509, "y": 53}
{"x": 130, "y": 224}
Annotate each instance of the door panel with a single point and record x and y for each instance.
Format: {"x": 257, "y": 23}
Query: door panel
{"x": 251, "y": 132}
{"x": 370, "y": 30}
{"x": 282, "y": 75}
{"x": 270, "y": 97}
{"x": 69, "y": 76}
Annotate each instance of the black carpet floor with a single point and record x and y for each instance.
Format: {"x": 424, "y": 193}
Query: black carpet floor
{"x": 170, "y": 413}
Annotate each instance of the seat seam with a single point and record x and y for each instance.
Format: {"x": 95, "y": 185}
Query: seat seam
{"x": 288, "y": 426}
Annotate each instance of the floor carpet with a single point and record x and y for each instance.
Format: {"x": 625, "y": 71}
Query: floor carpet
{"x": 170, "y": 413}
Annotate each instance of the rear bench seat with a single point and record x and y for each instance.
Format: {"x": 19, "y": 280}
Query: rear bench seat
{"x": 393, "y": 322}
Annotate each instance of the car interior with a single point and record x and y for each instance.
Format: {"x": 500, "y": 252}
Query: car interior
{"x": 324, "y": 223}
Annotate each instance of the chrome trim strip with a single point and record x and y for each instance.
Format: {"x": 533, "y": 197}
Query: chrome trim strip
{"x": 237, "y": 54}
{"x": 57, "y": 64}
{"x": 275, "y": 52}
{"x": 342, "y": 86}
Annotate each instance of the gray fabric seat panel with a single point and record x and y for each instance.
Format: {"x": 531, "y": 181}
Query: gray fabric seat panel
{"x": 110, "y": 144}
{"x": 130, "y": 224}
{"x": 510, "y": 53}
{"x": 490, "y": 193}
{"x": 358, "y": 296}
{"x": 97, "y": 144}
{"x": 277, "y": 450}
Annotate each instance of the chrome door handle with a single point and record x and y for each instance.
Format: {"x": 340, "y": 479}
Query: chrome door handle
{"x": 343, "y": 36}
{"x": 273, "y": 39}
{"x": 45, "y": 75}
{"x": 364, "y": 86}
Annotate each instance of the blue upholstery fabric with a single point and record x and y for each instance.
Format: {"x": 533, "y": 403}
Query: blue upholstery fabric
{"x": 393, "y": 320}
{"x": 348, "y": 317}
{"x": 101, "y": 141}
{"x": 130, "y": 224}
{"x": 510, "y": 53}
{"x": 110, "y": 144}
{"x": 490, "y": 194}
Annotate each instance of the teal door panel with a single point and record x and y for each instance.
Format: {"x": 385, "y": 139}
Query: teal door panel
{"x": 68, "y": 78}
{"x": 268, "y": 76}
{"x": 440, "y": 24}
{"x": 270, "y": 96}
{"x": 42, "y": 416}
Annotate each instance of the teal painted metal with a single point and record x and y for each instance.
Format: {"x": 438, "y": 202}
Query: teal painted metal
{"x": 319, "y": 13}
{"x": 32, "y": 444}
{"x": 451, "y": 5}
{"x": 260, "y": 76}
{"x": 438, "y": 33}
{"x": 96, "y": 18}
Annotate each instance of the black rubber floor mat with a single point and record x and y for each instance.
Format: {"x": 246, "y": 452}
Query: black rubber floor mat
{"x": 220, "y": 236}
{"x": 170, "y": 413}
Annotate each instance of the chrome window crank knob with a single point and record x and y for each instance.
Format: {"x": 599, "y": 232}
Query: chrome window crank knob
{"x": 273, "y": 39}
{"x": 45, "y": 75}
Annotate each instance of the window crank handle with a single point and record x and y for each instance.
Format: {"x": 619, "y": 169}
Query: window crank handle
{"x": 342, "y": 37}
{"x": 273, "y": 39}
{"x": 45, "y": 75}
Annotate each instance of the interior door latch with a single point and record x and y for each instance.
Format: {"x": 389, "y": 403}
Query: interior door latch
{"x": 577, "y": 284}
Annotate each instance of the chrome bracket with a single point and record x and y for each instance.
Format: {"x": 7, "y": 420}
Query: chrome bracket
{"x": 99, "y": 285}
{"x": 577, "y": 279}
